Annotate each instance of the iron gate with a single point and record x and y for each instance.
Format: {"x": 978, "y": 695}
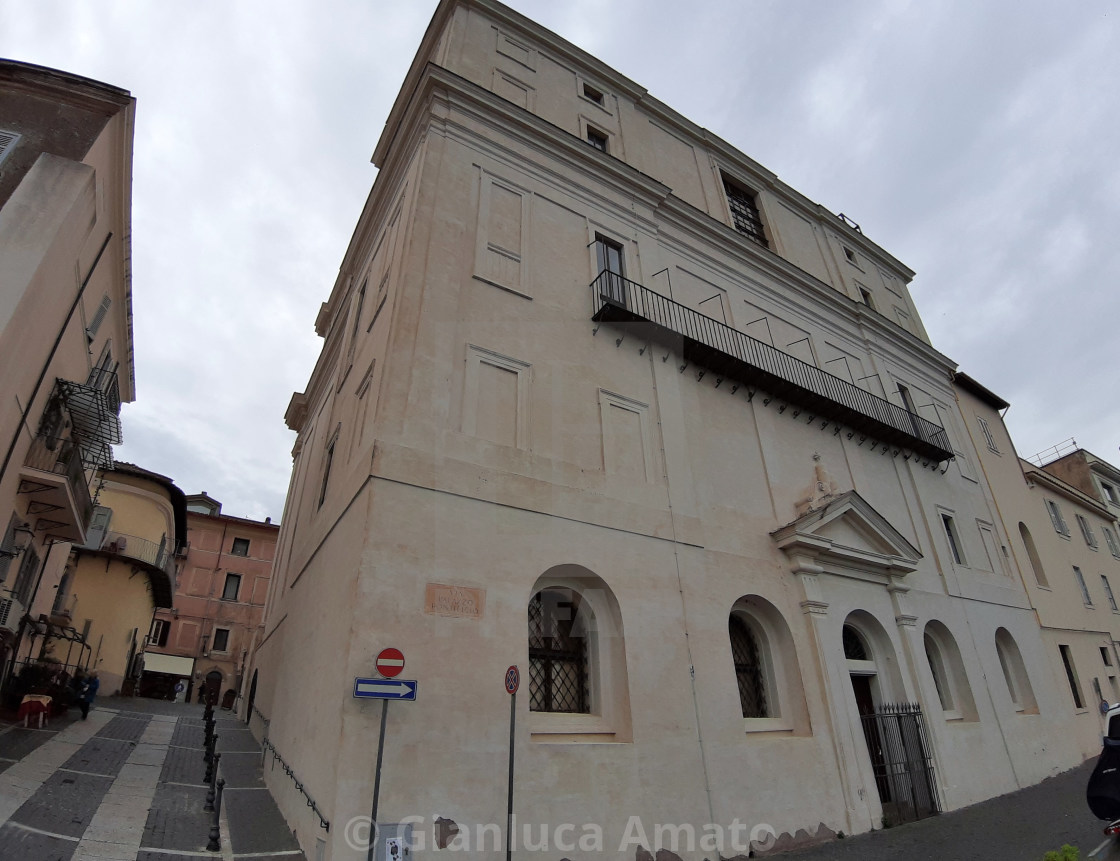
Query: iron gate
{"x": 901, "y": 762}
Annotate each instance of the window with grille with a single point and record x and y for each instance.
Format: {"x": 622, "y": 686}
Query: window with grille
{"x": 750, "y": 675}
{"x": 745, "y": 216}
{"x": 558, "y": 653}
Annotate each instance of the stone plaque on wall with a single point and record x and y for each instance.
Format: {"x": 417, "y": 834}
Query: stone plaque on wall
{"x": 463, "y": 601}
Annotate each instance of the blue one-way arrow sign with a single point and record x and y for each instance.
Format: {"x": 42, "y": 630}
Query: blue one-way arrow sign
{"x": 385, "y": 689}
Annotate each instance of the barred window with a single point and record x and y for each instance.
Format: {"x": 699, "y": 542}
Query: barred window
{"x": 744, "y": 212}
{"x": 749, "y": 671}
{"x": 558, "y": 653}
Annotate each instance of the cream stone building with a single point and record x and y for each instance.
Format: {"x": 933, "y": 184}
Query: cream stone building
{"x": 65, "y": 322}
{"x": 1066, "y": 540}
{"x": 603, "y": 398}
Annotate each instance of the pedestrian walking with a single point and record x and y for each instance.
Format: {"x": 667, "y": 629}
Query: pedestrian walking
{"x": 88, "y": 693}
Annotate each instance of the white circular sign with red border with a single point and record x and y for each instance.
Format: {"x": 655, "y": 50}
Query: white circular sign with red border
{"x": 390, "y": 663}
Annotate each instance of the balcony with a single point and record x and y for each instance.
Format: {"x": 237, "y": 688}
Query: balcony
{"x": 735, "y": 355}
{"x": 94, "y": 408}
{"x": 54, "y": 480}
{"x": 158, "y": 560}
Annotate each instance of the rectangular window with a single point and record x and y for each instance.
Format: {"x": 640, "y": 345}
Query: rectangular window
{"x": 1071, "y": 675}
{"x": 865, "y": 295}
{"x": 221, "y": 640}
{"x": 232, "y": 587}
{"x": 988, "y": 435}
{"x": 240, "y": 547}
{"x": 609, "y": 271}
{"x": 1105, "y": 656}
{"x": 597, "y": 139}
{"x": 1108, "y": 593}
{"x": 1086, "y": 531}
{"x": 1110, "y": 539}
{"x": 1084, "y": 589}
{"x": 589, "y": 92}
{"x": 159, "y": 632}
{"x": 1110, "y": 493}
{"x": 745, "y": 216}
{"x": 954, "y": 539}
{"x": 328, "y": 457}
{"x": 1056, "y": 518}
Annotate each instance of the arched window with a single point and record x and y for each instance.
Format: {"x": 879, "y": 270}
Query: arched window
{"x": 576, "y": 676}
{"x": 1032, "y": 555}
{"x": 750, "y": 672}
{"x": 558, "y": 652}
{"x": 1015, "y": 673}
{"x": 767, "y": 677}
{"x": 855, "y": 649}
{"x": 940, "y": 676}
{"x": 949, "y": 675}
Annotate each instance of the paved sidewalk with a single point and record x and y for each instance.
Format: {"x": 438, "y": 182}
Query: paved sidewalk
{"x": 127, "y": 785}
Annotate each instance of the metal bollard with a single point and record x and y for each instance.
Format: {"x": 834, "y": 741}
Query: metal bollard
{"x": 215, "y": 844}
{"x": 210, "y": 788}
{"x": 209, "y": 756}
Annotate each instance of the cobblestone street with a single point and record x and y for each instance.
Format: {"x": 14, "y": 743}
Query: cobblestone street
{"x": 127, "y": 785}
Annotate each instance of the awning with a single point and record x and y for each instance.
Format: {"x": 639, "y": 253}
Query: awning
{"x": 173, "y": 665}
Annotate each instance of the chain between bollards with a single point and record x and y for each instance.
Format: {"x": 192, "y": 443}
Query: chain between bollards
{"x": 215, "y": 844}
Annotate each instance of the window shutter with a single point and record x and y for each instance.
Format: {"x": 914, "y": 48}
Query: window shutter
{"x": 8, "y": 141}
{"x": 98, "y": 317}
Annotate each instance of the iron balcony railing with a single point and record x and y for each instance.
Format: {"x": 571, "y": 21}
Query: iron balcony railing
{"x": 729, "y": 352}
{"x": 63, "y": 457}
{"x": 159, "y": 556}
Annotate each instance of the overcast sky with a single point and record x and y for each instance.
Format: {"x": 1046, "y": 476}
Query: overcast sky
{"x": 975, "y": 141}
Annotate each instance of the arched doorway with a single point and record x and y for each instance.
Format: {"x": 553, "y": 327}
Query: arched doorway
{"x": 893, "y": 730}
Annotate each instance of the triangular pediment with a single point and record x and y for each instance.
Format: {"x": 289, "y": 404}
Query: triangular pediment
{"x": 848, "y": 534}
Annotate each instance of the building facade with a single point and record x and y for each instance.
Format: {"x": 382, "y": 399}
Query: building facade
{"x": 602, "y": 398}
{"x": 204, "y": 640}
{"x": 65, "y": 322}
{"x": 1064, "y": 537}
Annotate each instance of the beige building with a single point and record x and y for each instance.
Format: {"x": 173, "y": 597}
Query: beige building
{"x": 603, "y": 398}
{"x": 65, "y": 322}
{"x": 204, "y": 640}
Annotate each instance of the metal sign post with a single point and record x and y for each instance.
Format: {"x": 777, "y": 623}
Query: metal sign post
{"x": 389, "y": 663}
{"x": 513, "y": 681}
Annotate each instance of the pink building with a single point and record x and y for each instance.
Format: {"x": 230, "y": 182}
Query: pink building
{"x": 206, "y": 638}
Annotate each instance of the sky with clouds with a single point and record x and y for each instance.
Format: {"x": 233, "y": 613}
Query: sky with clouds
{"x": 976, "y": 142}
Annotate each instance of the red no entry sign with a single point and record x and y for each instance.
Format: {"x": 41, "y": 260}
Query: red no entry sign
{"x": 390, "y": 662}
{"x": 513, "y": 679}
